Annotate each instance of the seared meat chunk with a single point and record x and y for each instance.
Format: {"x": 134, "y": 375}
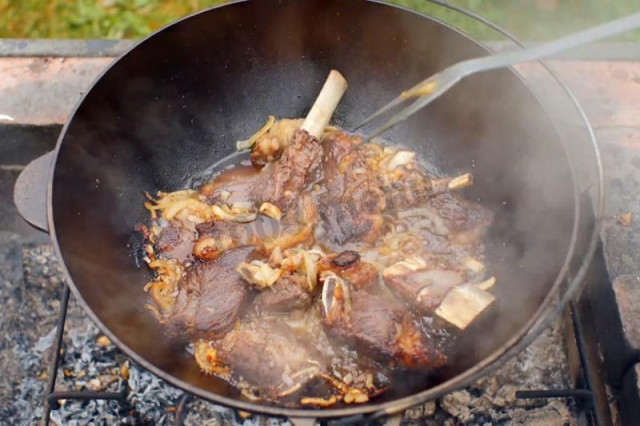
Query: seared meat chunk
{"x": 375, "y": 324}
{"x": 263, "y": 351}
{"x": 175, "y": 242}
{"x": 347, "y": 265}
{"x": 216, "y": 236}
{"x": 269, "y": 146}
{"x": 287, "y": 294}
{"x": 404, "y": 180}
{"x": 345, "y": 259}
{"x": 463, "y": 221}
{"x": 305, "y": 212}
{"x": 222, "y": 229}
{"x": 282, "y": 181}
{"x": 412, "y": 187}
{"x": 354, "y": 201}
{"x": 424, "y": 289}
{"x": 297, "y": 226}
{"x": 210, "y": 295}
{"x": 232, "y": 186}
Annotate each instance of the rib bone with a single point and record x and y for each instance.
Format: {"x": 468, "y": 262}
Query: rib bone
{"x": 463, "y": 304}
{"x": 327, "y": 101}
{"x": 451, "y": 184}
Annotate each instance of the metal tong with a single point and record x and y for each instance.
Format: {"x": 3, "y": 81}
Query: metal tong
{"x": 430, "y": 89}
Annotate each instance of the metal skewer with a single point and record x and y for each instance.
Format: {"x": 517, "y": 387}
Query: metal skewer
{"x": 433, "y": 87}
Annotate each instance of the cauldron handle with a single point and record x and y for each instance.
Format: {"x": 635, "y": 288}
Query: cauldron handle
{"x": 30, "y": 191}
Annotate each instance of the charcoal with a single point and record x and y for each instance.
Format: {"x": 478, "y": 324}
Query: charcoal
{"x": 30, "y": 293}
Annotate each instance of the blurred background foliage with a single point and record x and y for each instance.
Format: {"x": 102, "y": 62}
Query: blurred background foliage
{"x": 528, "y": 19}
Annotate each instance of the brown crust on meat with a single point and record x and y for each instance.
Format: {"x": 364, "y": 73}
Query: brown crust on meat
{"x": 354, "y": 201}
{"x": 288, "y": 176}
{"x": 210, "y": 296}
{"x": 287, "y": 294}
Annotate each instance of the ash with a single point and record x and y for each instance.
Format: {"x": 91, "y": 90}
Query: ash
{"x": 492, "y": 400}
{"x": 30, "y": 293}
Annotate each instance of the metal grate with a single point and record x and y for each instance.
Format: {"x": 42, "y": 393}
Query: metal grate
{"x": 585, "y": 397}
{"x": 52, "y": 397}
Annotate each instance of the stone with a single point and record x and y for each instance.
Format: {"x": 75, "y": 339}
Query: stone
{"x": 620, "y": 157}
{"x": 459, "y": 405}
{"x": 627, "y": 293}
{"x": 507, "y": 394}
{"x": 456, "y": 402}
{"x": 629, "y": 401}
{"x": 44, "y": 91}
{"x": 414, "y": 413}
{"x": 419, "y": 412}
{"x": 484, "y": 403}
{"x": 429, "y": 408}
{"x": 489, "y": 384}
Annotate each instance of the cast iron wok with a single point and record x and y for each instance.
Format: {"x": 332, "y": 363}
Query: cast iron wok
{"x": 179, "y": 100}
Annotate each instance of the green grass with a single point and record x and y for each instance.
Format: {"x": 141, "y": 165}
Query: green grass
{"x": 528, "y": 19}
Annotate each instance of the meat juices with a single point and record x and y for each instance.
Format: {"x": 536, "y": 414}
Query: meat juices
{"x": 210, "y": 296}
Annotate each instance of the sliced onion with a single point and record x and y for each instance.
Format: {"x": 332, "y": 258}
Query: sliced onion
{"x": 311, "y": 267}
{"x": 245, "y": 218}
{"x": 243, "y": 145}
{"x": 414, "y": 212}
{"x": 402, "y": 158}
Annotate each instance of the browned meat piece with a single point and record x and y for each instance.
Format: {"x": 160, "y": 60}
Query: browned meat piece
{"x": 175, "y": 242}
{"x": 232, "y": 186}
{"x": 283, "y": 180}
{"x": 262, "y": 352}
{"x": 297, "y": 226}
{"x": 410, "y": 187}
{"x": 423, "y": 289}
{"x": 346, "y": 223}
{"x": 375, "y": 324}
{"x": 221, "y": 229}
{"x": 216, "y": 236}
{"x": 269, "y": 146}
{"x": 345, "y": 259}
{"x": 413, "y": 187}
{"x": 354, "y": 201}
{"x": 347, "y": 265}
{"x": 287, "y": 294}
{"x": 463, "y": 221}
{"x": 306, "y": 212}
{"x": 210, "y": 296}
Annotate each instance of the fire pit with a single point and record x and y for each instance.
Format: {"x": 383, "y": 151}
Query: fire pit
{"x": 89, "y": 362}
{"x": 85, "y": 378}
